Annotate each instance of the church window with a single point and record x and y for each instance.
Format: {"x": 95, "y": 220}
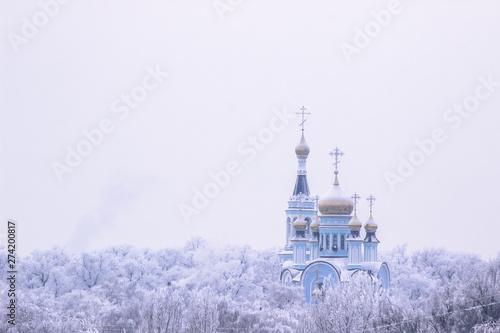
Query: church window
{"x": 334, "y": 243}
{"x": 342, "y": 242}
{"x": 321, "y": 242}
{"x": 327, "y": 241}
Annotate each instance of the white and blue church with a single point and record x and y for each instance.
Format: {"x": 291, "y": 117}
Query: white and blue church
{"x": 324, "y": 243}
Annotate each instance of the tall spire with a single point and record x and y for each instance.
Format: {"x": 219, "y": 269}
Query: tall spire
{"x": 370, "y": 225}
{"x": 354, "y": 240}
{"x": 370, "y": 241}
{"x": 302, "y": 152}
{"x": 355, "y": 224}
{"x": 302, "y": 149}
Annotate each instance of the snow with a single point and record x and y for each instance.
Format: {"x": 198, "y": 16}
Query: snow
{"x": 197, "y": 288}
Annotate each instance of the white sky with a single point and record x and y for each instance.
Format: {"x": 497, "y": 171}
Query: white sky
{"x": 225, "y": 79}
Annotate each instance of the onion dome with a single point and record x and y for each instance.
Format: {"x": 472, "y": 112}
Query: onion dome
{"x": 302, "y": 149}
{"x": 370, "y": 225}
{"x": 315, "y": 224}
{"x": 355, "y": 223}
{"x": 300, "y": 223}
{"x": 335, "y": 202}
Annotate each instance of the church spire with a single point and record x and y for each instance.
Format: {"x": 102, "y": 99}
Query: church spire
{"x": 371, "y": 241}
{"x": 354, "y": 241}
{"x": 355, "y": 224}
{"x": 370, "y": 225}
{"x": 302, "y": 152}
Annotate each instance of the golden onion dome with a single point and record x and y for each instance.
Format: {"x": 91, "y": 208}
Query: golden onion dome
{"x": 302, "y": 148}
{"x": 355, "y": 224}
{"x": 335, "y": 202}
{"x": 315, "y": 224}
{"x": 300, "y": 223}
{"x": 370, "y": 225}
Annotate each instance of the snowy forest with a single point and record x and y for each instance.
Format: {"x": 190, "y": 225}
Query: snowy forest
{"x": 198, "y": 288}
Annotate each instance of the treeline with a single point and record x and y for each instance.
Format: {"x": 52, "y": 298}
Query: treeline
{"x": 236, "y": 289}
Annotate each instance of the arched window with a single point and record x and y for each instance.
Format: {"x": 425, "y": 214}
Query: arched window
{"x": 334, "y": 243}
{"x": 342, "y": 242}
{"x": 328, "y": 241}
{"x": 321, "y": 242}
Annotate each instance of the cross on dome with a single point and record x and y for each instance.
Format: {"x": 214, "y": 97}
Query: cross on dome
{"x": 337, "y": 153}
{"x": 371, "y": 199}
{"x": 303, "y": 113}
{"x": 355, "y": 197}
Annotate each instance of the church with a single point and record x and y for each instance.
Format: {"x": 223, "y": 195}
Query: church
{"x": 324, "y": 242}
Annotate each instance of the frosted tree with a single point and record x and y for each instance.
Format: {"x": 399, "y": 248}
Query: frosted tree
{"x": 202, "y": 316}
{"x": 89, "y": 268}
{"x": 348, "y": 307}
{"x": 40, "y": 265}
{"x": 162, "y": 311}
{"x": 237, "y": 289}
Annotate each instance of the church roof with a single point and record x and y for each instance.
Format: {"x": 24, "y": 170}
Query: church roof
{"x": 301, "y": 186}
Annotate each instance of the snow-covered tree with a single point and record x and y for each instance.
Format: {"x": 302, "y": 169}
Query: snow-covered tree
{"x": 162, "y": 311}
{"x": 199, "y": 288}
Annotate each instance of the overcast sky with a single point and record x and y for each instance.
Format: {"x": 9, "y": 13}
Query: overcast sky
{"x": 374, "y": 84}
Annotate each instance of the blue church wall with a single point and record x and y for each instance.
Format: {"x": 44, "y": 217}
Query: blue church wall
{"x": 299, "y": 256}
{"x": 341, "y": 221}
{"x": 285, "y": 257}
{"x": 384, "y": 276}
{"x": 292, "y": 215}
{"x": 328, "y": 277}
{"x": 286, "y": 277}
{"x": 333, "y": 243}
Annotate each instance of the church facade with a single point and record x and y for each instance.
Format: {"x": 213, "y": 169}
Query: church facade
{"x": 325, "y": 245}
